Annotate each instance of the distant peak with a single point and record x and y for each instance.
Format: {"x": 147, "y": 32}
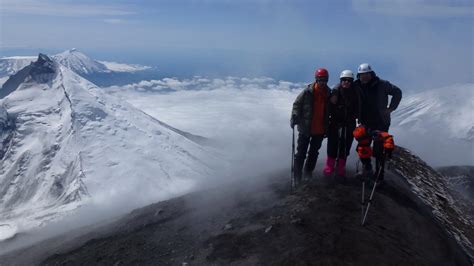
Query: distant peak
{"x": 42, "y": 58}
{"x": 70, "y": 52}
{"x": 43, "y": 68}
{"x": 79, "y": 62}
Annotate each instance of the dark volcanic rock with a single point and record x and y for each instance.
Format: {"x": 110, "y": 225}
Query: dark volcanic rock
{"x": 7, "y": 126}
{"x": 433, "y": 190}
{"x": 460, "y": 179}
{"x": 319, "y": 224}
{"x": 42, "y": 70}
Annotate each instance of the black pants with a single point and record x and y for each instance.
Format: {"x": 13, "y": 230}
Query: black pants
{"x": 314, "y": 142}
{"x": 344, "y": 143}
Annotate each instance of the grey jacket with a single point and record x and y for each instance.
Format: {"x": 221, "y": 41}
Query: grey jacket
{"x": 383, "y": 89}
{"x": 302, "y": 113}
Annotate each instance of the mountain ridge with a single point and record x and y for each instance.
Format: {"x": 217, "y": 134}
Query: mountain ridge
{"x": 73, "y": 141}
{"x": 72, "y": 59}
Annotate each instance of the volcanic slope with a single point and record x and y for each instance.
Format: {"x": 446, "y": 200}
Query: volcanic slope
{"x": 260, "y": 222}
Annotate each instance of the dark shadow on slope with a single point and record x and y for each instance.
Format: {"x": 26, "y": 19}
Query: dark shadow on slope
{"x": 14, "y": 81}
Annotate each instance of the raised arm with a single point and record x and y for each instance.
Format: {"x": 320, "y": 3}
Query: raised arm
{"x": 396, "y": 96}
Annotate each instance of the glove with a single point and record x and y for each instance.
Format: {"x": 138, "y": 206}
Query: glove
{"x": 388, "y": 111}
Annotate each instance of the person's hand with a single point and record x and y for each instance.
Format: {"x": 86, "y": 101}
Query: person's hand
{"x": 388, "y": 111}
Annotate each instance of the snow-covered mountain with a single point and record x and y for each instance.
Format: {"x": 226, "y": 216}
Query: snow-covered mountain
{"x": 72, "y": 59}
{"x": 444, "y": 109}
{"x": 79, "y": 62}
{"x": 438, "y": 121}
{"x": 72, "y": 144}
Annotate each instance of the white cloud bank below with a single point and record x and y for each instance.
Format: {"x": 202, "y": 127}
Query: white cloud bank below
{"x": 251, "y": 116}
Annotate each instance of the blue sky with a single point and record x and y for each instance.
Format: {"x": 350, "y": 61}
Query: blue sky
{"x": 417, "y": 44}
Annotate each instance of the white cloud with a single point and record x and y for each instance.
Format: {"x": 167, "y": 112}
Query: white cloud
{"x": 199, "y": 83}
{"x": 415, "y": 8}
{"x": 61, "y": 9}
{"x": 250, "y": 119}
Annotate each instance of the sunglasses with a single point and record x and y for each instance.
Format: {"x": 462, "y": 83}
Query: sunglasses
{"x": 322, "y": 80}
{"x": 347, "y": 80}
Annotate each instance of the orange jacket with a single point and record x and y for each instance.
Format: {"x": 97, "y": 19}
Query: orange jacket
{"x": 319, "y": 106}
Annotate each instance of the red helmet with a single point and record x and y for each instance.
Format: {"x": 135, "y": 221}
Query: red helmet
{"x": 322, "y": 72}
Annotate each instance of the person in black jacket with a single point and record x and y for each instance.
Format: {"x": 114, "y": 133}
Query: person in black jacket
{"x": 375, "y": 109}
{"x": 343, "y": 109}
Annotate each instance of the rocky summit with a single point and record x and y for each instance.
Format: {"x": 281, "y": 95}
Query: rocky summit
{"x": 263, "y": 222}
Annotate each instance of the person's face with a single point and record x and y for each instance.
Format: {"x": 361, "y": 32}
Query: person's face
{"x": 322, "y": 81}
{"x": 365, "y": 77}
{"x": 346, "y": 82}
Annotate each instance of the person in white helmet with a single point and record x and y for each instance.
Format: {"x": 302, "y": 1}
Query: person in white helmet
{"x": 343, "y": 110}
{"x": 375, "y": 109}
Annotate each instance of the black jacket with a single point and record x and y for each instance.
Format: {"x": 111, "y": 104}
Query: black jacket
{"x": 374, "y": 102}
{"x": 346, "y": 108}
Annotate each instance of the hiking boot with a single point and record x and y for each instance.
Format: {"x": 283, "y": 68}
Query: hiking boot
{"x": 307, "y": 175}
{"x": 341, "y": 167}
{"x": 381, "y": 176}
{"x": 298, "y": 170}
{"x": 365, "y": 174}
{"x": 329, "y": 167}
{"x": 368, "y": 172}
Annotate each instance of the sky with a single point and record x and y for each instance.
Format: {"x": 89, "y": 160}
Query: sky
{"x": 415, "y": 44}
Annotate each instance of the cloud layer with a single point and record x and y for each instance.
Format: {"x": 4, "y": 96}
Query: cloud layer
{"x": 250, "y": 117}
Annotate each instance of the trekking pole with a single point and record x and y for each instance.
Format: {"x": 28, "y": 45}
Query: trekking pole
{"x": 339, "y": 133}
{"x": 362, "y": 202}
{"x": 379, "y": 171}
{"x": 292, "y": 180}
{"x": 344, "y": 136}
{"x": 344, "y": 143}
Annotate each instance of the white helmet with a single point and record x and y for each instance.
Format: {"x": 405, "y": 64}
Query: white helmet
{"x": 364, "y": 68}
{"x": 346, "y": 74}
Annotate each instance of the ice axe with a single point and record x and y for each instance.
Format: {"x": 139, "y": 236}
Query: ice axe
{"x": 292, "y": 180}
